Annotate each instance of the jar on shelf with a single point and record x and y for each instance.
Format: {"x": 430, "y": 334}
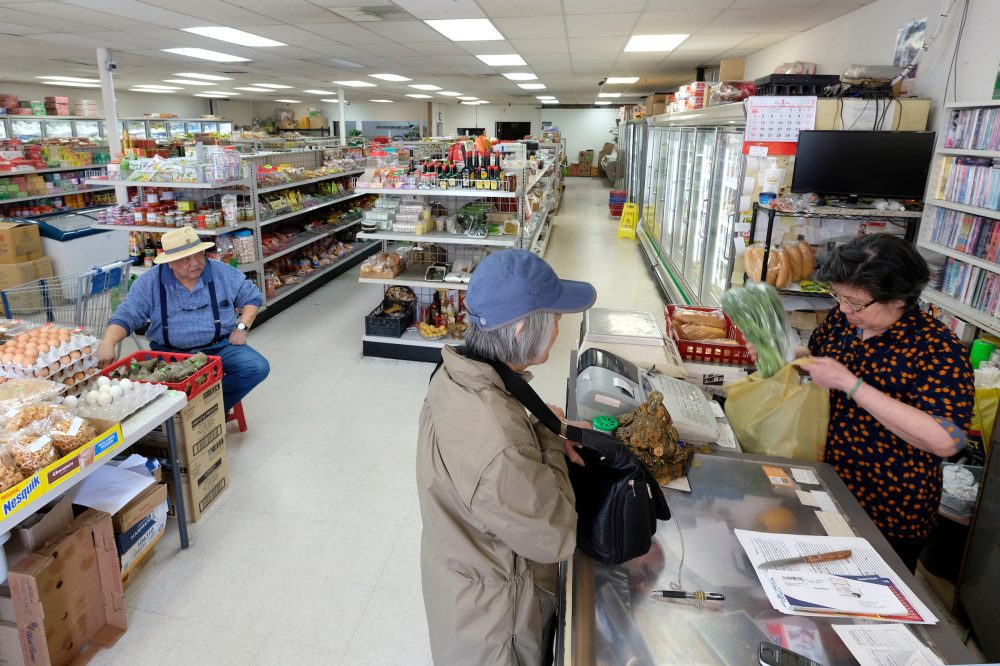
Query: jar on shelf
{"x": 244, "y": 246}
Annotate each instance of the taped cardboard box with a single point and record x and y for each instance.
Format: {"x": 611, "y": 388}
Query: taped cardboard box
{"x": 208, "y": 470}
{"x": 19, "y": 242}
{"x": 68, "y": 596}
{"x": 140, "y": 524}
{"x": 198, "y": 426}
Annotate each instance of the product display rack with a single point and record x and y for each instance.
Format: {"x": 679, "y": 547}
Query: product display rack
{"x": 54, "y": 195}
{"x": 170, "y": 128}
{"x": 957, "y": 232}
{"x": 411, "y": 346}
{"x": 29, "y": 128}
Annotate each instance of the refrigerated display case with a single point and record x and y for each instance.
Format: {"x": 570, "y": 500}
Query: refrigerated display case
{"x": 690, "y": 201}
{"x": 168, "y": 128}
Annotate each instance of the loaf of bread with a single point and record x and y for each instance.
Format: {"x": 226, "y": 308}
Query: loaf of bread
{"x": 808, "y": 260}
{"x": 794, "y": 257}
{"x": 700, "y": 317}
{"x": 784, "y": 268}
{"x": 699, "y": 333}
{"x": 753, "y": 261}
{"x": 772, "y": 268}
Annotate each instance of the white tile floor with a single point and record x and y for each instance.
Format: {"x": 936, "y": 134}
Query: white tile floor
{"x": 312, "y": 555}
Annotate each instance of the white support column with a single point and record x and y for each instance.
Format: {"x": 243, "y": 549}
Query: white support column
{"x": 343, "y": 117}
{"x": 112, "y": 128}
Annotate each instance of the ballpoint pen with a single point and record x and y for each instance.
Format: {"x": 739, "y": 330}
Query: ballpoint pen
{"x": 681, "y": 594}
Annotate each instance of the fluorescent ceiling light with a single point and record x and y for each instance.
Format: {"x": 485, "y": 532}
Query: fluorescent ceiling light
{"x": 418, "y": 96}
{"x": 520, "y": 76}
{"x": 654, "y": 42}
{"x": 466, "y": 30}
{"x": 621, "y": 79}
{"x": 470, "y": 103}
{"x": 288, "y": 101}
{"x": 212, "y": 95}
{"x": 70, "y": 84}
{"x": 205, "y": 54}
{"x": 190, "y": 82}
{"x": 356, "y": 84}
{"x": 253, "y": 89}
{"x": 450, "y": 93}
{"x": 72, "y": 79}
{"x": 545, "y": 96}
{"x": 424, "y": 86}
{"x": 207, "y": 77}
{"x": 531, "y": 86}
{"x": 276, "y": 86}
{"x": 503, "y": 60}
{"x": 381, "y": 101}
{"x": 464, "y": 97}
{"x": 319, "y": 92}
{"x": 224, "y": 93}
{"x": 480, "y": 101}
{"x": 152, "y": 90}
{"x": 390, "y": 77}
{"x": 334, "y": 100}
{"x": 609, "y": 94}
{"x": 600, "y": 103}
{"x": 155, "y": 86}
{"x": 550, "y": 101}
{"x": 233, "y": 36}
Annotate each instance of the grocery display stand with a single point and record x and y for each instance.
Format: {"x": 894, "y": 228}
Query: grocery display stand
{"x": 44, "y": 486}
{"x": 937, "y": 208}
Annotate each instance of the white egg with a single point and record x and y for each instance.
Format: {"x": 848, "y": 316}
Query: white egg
{"x": 127, "y": 385}
{"x": 104, "y": 389}
{"x": 116, "y": 391}
{"x": 103, "y": 381}
{"x": 93, "y": 397}
{"x": 104, "y": 399}
{"x": 70, "y": 402}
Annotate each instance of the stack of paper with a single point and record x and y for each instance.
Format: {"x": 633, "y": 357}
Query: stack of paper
{"x": 862, "y": 585}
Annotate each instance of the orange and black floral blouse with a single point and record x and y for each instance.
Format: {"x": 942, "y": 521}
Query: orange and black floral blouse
{"x": 919, "y": 362}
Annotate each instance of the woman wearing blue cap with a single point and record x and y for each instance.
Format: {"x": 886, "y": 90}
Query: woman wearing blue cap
{"x": 497, "y": 506}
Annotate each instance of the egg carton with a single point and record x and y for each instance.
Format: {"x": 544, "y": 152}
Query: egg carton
{"x": 78, "y": 346}
{"x": 137, "y": 396}
{"x": 76, "y": 366}
{"x": 80, "y": 385}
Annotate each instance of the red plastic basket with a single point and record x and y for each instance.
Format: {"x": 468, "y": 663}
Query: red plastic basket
{"x": 208, "y": 375}
{"x": 706, "y": 351}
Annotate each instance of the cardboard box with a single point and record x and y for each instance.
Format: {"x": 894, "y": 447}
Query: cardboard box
{"x": 731, "y": 69}
{"x": 317, "y": 122}
{"x": 198, "y": 425}
{"x": 68, "y": 596}
{"x": 10, "y": 645}
{"x": 209, "y": 469}
{"x": 12, "y": 275}
{"x": 35, "y": 531}
{"x": 140, "y": 524}
{"x": 657, "y": 109}
{"x": 19, "y": 242}
{"x": 657, "y": 99}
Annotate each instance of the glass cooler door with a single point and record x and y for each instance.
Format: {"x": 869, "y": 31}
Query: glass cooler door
{"x": 682, "y": 198}
{"x": 666, "y": 211}
{"x": 725, "y": 211}
{"x": 699, "y": 204}
{"x": 653, "y": 173}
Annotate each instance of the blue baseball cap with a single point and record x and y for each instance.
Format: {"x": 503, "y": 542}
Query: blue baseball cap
{"x": 509, "y": 285}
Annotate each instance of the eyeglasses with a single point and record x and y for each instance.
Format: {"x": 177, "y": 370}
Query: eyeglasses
{"x": 853, "y": 306}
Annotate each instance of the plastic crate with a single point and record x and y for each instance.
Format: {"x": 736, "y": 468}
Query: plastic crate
{"x": 708, "y": 352}
{"x": 795, "y": 84}
{"x": 208, "y": 375}
{"x": 388, "y": 326}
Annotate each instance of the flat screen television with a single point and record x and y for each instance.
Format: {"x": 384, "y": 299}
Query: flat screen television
{"x": 891, "y": 165}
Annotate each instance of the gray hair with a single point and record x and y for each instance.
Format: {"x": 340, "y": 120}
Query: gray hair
{"x": 507, "y": 345}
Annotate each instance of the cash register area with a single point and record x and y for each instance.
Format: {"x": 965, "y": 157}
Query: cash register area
{"x": 313, "y": 555}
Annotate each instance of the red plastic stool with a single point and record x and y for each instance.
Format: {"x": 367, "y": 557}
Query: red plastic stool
{"x": 236, "y": 414}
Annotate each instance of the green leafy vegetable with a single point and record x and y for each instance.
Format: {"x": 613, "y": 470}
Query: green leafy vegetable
{"x": 757, "y": 311}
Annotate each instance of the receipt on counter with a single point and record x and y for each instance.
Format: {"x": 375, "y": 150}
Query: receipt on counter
{"x": 885, "y": 645}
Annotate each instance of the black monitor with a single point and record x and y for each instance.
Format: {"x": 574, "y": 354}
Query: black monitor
{"x": 892, "y": 165}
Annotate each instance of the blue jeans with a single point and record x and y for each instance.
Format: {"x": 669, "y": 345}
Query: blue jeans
{"x": 243, "y": 368}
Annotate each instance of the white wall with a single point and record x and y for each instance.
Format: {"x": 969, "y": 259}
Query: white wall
{"x": 583, "y": 129}
{"x": 488, "y": 115}
{"x": 868, "y": 37}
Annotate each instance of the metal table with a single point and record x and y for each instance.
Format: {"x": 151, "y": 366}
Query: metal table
{"x": 608, "y": 617}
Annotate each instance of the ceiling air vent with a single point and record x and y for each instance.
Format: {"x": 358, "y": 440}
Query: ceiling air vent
{"x": 371, "y": 13}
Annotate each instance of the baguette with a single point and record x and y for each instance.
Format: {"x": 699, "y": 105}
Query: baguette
{"x": 772, "y": 268}
{"x": 682, "y": 316}
{"x": 808, "y": 260}
{"x": 784, "y": 268}
{"x": 698, "y": 333}
{"x": 753, "y": 260}
{"x": 795, "y": 262}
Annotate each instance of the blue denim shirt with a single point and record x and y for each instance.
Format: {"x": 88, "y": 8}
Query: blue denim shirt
{"x": 191, "y": 321}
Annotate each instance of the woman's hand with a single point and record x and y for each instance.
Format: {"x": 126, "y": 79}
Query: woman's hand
{"x": 570, "y": 447}
{"x": 560, "y": 414}
{"x": 829, "y": 373}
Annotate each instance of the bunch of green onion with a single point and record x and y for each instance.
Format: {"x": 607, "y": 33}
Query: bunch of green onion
{"x": 757, "y": 311}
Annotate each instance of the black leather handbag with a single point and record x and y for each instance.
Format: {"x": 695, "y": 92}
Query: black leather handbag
{"x": 618, "y": 501}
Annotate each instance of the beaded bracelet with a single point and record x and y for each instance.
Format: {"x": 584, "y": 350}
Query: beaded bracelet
{"x": 850, "y": 394}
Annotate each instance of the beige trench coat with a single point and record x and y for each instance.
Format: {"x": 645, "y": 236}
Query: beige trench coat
{"x": 498, "y": 515}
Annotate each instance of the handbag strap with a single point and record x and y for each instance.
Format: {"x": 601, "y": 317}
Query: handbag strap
{"x": 520, "y": 389}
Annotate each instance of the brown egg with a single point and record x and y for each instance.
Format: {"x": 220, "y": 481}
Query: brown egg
{"x": 18, "y": 359}
{"x": 30, "y": 346}
{"x": 6, "y": 357}
{"x": 44, "y": 372}
{"x": 69, "y": 381}
{"x": 54, "y": 367}
{"x": 91, "y": 371}
{"x": 65, "y": 360}
{"x": 64, "y": 335}
{"x": 44, "y": 348}
{"x": 30, "y": 357}
{"x": 80, "y": 376}
{"x": 88, "y": 350}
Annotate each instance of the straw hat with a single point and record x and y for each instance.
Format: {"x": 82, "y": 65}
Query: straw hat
{"x": 180, "y": 243}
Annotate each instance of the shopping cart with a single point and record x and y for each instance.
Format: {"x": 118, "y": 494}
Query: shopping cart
{"x": 87, "y": 299}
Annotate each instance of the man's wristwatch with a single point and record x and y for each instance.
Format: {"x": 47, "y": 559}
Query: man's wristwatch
{"x": 242, "y": 327}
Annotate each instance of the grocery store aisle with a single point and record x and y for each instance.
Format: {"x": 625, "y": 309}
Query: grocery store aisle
{"x": 312, "y": 555}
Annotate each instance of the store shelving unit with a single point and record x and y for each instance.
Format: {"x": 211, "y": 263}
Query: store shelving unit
{"x": 170, "y": 128}
{"x": 309, "y": 181}
{"x": 53, "y": 195}
{"x": 941, "y": 214}
{"x": 295, "y": 213}
{"x": 159, "y": 230}
{"x": 28, "y": 128}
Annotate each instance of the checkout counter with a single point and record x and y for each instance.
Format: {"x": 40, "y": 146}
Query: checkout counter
{"x": 609, "y": 618}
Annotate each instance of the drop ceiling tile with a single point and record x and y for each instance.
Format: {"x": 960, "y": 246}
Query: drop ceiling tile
{"x": 486, "y": 48}
{"x": 441, "y": 9}
{"x": 163, "y": 18}
{"x": 690, "y": 59}
{"x": 79, "y": 40}
{"x": 436, "y": 49}
{"x": 46, "y": 23}
{"x": 289, "y": 11}
{"x": 641, "y": 58}
{"x": 529, "y": 47}
{"x": 464, "y": 60}
{"x": 713, "y": 42}
{"x": 594, "y": 46}
{"x": 11, "y": 29}
{"x": 345, "y": 33}
{"x": 685, "y": 21}
{"x": 591, "y": 58}
{"x": 405, "y": 31}
{"x": 751, "y": 20}
{"x": 810, "y": 17}
{"x": 396, "y": 51}
{"x": 214, "y": 11}
{"x": 600, "y": 25}
{"x": 508, "y": 8}
{"x": 546, "y": 62}
{"x": 738, "y": 53}
{"x": 765, "y": 39}
{"x": 602, "y": 6}
{"x": 532, "y": 27}
{"x": 288, "y": 34}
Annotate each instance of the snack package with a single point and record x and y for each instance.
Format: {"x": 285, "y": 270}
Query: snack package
{"x": 18, "y": 392}
{"x": 699, "y": 325}
{"x": 66, "y": 431}
{"x": 10, "y": 475}
{"x": 32, "y": 451}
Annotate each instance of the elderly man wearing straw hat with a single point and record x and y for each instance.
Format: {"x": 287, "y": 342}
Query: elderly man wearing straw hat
{"x": 191, "y": 304}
